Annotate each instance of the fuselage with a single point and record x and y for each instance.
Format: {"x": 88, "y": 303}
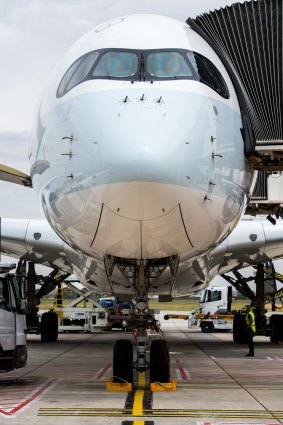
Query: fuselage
{"x": 133, "y": 153}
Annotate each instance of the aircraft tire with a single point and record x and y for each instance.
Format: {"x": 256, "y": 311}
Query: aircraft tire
{"x": 123, "y": 361}
{"x": 159, "y": 361}
{"x": 49, "y": 327}
{"x": 239, "y": 329}
{"x": 276, "y": 322}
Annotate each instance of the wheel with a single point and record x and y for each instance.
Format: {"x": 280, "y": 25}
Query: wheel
{"x": 123, "y": 361}
{"x": 206, "y": 327}
{"x": 49, "y": 327}
{"x": 159, "y": 361}
{"x": 239, "y": 329}
{"x": 276, "y": 322}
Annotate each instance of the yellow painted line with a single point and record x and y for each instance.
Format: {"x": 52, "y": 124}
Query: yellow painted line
{"x": 138, "y": 399}
{"x": 141, "y": 380}
{"x": 138, "y": 423}
{"x": 138, "y": 403}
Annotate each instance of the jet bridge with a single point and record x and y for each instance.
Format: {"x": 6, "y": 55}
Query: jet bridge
{"x": 248, "y": 39}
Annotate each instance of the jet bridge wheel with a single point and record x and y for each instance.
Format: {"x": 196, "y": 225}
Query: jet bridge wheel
{"x": 123, "y": 361}
{"x": 49, "y": 327}
{"x": 159, "y": 361}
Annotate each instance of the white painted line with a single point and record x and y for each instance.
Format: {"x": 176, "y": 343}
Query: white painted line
{"x": 178, "y": 375}
{"x": 187, "y": 373}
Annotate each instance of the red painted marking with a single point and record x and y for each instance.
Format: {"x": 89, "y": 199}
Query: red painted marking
{"x": 182, "y": 372}
{"x": 28, "y": 400}
{"x": 234, "y": 423}
{"x": 104, "y": 370}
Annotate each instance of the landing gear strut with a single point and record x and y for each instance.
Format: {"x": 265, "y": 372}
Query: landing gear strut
{"x": 141, "y": 318}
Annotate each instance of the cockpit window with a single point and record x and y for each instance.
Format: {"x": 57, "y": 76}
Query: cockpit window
{"x": 167, "y": 65}
{"x": 117, "y": 64}
{"x": 76, "y": 73}
{"x": 143, "y": 65}
{"x": 209, "y": 74}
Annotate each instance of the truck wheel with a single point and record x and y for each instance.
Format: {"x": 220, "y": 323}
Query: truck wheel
{"x": 276, "y": 322}
{"x": 206, "y": 328}
{"x": 159, "y": 361}
{"x": 239, "y": 329}
{"x": 123, "y": 361}
{"x": 49, "y": 327}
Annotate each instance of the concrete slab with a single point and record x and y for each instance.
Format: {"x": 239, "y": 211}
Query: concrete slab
{"x": 215, "y": 382}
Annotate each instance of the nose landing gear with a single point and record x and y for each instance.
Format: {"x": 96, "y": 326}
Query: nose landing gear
{"x": 141, "y": 320}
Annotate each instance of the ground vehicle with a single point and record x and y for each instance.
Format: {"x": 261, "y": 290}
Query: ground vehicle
{"x": 13, "y": 352}
{"x": 220, "y": 320}
{"x": 74, "y": 319}
{"x": 118, "y": 312}
{"x": 215, "y": 309}
{"x": 215, "y": 298}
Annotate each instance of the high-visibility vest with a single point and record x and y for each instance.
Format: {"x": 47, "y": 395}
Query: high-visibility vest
{"x": 250, "y": 315}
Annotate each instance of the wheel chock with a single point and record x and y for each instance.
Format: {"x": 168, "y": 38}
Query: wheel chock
{"x": 119, "y": 386}
{"x": 161, "y": 386}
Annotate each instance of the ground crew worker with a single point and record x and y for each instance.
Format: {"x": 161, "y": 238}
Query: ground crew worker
{"x": 250, "y": 321}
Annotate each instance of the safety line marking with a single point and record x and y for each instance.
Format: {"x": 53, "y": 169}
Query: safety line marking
{"x": 138, "y": 397}
{"x": 137, "y": 423}
{"x": 34, "y": 396}
{"x": 103, "y": 371}
{"x": 138, "y": 403}
{"x": 233, "y": 423}
{"x": 263, "y": 415}
{"x": 182, "y": 372}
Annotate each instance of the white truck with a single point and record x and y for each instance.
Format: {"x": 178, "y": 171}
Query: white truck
{"x": 215, "y": 298}
{"x": 13, "y": 351}
{"x": 215, "y": 309}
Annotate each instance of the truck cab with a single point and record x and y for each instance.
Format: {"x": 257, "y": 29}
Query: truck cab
{"x": 13, "y": 352}
{"x": 216, "y": 298}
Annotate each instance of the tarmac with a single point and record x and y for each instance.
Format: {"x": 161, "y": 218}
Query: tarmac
{"x": 65, "y": 382}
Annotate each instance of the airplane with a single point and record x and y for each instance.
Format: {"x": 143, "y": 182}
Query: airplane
{"x": 138, "y": 159}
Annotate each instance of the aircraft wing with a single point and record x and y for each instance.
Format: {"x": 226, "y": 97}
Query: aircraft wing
{"x": 251, "y": 243}
{"x": 9, "y": 174}
{"x": 36, "y": 241}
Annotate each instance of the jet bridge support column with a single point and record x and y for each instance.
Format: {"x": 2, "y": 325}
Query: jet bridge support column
{"x": 259, "y": 301}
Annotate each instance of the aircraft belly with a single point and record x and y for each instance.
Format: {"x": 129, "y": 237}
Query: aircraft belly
{"x": 142, "y": 219}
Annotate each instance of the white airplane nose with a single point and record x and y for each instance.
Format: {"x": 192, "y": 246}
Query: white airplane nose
{"x": 142, "y": 140}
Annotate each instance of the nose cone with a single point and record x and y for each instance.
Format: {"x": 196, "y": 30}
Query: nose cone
{"x": 141, "y": 144}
